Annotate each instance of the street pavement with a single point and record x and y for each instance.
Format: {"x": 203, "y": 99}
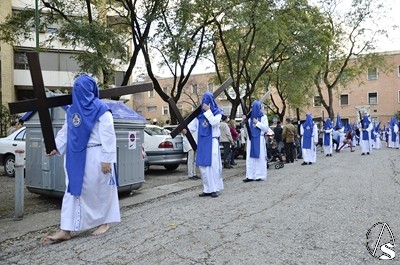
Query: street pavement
{"x": 312, "y": 214}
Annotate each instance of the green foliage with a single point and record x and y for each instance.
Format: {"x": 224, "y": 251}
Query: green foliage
{"x": 5, "y": 120}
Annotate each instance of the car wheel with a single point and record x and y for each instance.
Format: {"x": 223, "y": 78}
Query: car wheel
{"x": 171, "y": 167}
{"x": 9, "y": 165}
{"x": 146, "y": 169}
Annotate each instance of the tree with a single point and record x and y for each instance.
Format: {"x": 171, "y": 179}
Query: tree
{"x": 88, "y": 33}
{"x": 253, "y": 37}
{"x": 353, "y": 36}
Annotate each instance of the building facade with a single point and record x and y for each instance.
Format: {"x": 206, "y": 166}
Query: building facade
{"x": 377, "y": 92}
{"x": 58, "y": 66}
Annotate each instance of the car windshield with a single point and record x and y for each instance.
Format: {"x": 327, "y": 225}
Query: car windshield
{"x": 156, "y": 131}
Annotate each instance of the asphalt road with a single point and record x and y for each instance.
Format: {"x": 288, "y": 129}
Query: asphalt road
{"x": 313, "y": 214}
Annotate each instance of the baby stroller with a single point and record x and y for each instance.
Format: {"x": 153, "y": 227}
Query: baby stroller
{"x": 274, "y": 158}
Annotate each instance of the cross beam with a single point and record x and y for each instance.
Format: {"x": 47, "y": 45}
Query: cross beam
{"x": 183, "y": 123}
{"x": 41, "y": 103}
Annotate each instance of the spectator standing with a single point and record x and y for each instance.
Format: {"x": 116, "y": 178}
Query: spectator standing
{"x": 191, "y": 156}
{"x": 226, "y": 141}
{"x": 235, "y": 137}
{"x": 288, "y": 136}
{"x": 278, "y": 136}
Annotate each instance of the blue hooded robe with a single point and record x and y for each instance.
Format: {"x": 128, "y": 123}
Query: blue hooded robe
{"x": 308, "y": 127}
{"x": 256, "y": 113}
{"x": 327, "y": 136}
{"x": 204, "y": 135}
{"x": 85, "y": 111}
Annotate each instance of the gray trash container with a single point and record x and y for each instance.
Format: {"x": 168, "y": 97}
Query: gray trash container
{"x": 45, "y": 175}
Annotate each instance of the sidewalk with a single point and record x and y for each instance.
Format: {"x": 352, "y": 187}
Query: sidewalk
{"x": 10, "y": 228}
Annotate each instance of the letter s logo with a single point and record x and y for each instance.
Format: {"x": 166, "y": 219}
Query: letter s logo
{"x": 388, "y": 252}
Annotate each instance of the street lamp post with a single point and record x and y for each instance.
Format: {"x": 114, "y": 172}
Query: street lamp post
{"x": 37, "y": 23}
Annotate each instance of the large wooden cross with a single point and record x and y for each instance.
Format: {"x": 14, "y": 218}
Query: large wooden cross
{"x": 183, "y": 123}
{"x": 41, "y": 103}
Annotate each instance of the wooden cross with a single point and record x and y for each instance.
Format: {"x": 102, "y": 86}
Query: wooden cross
{"x": 248, "y": 115}
{"x": 41, "y": 103}
{"x": 183, "y": 123}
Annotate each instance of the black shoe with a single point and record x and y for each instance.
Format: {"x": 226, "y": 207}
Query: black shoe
{"x": 327, "y": 155}
{"x": 367, "y": 153}
{"x": 258, "y": 179}
{"x": 233, "y": 163}
{"x": 330, "y": 154}
{"x": 194, "y": 178}
{"x": 304, "y": 163}
{"x": 214, "y": 194}
{"x": 204, "y": 194}
{"x": 309, "y": 163}
{"x": 247, "y": 180}
{"x": 227, "y": 165}
{"x": 362, "y": 154}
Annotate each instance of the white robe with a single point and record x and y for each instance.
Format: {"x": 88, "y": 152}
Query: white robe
{"x": 211, "y": 175}
{"x": 256, "y": 168}
{"x": 98, "y": 203}
{"x": 327, "y": 148}
{"x": 366, "y": 145}
{"x": 310, "y": 155}
{"x": 377, "y": 141}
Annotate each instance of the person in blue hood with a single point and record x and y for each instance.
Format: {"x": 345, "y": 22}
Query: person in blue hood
{"x": 88, "y": 140}
{"x": 327, "y": 142}
{"x": 208, "y": 157}
{"x": 366, "y": 141}
{"x": 309, "y": 139}
{"x": 256, "y": 155}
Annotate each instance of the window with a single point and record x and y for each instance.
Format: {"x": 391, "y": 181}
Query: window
{"x": 165, "y": 90}
{"x": 165, "y": 110}
{"x": 317, "y": 101}
{"x": 138, "y": 96}
{"x": 152, "y": 109}
{"x": 372, "y": 73}
{"x": 151, "y": 94}
{"x": 210, "y": 86}
{"x": 20, "y": 61}
{"x": 194, "y": 89}
{"x": 344, "y": 100}
{"x": 373, "y": 98}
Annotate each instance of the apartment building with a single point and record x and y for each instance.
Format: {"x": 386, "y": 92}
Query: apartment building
{"x": 152, "y": 107}
{"x": 378, "y": 94}
{"x": 58, "y": 66}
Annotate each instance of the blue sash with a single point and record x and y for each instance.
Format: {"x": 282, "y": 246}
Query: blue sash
{"x": 204, "y": 143}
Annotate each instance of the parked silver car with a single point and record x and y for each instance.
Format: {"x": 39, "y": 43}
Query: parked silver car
{"x": 8, "y": 145}
{"x": 162, "y": 149}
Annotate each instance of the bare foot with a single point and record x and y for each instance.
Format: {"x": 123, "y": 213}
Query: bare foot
{"x": 101, "y": 230}
{"x": 60, "y": 236}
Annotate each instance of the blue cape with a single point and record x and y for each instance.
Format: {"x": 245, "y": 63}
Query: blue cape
{"x": 204, "y": 136}
{"x": 327, "y": 136}
{"x": 365, "y": 124}
{"x": 256, "y": 113}
{"x": 308, "y": 127}
{"x": 82, "y": 115}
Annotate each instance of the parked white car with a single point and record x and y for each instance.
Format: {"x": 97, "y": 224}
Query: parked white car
{"x": 162, "y": 149}
{"x": 8, "y": 145}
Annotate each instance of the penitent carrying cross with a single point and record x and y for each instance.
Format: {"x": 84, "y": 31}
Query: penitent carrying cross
{"x": 41, "y": 103}
{"x": 183, "y": 123}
